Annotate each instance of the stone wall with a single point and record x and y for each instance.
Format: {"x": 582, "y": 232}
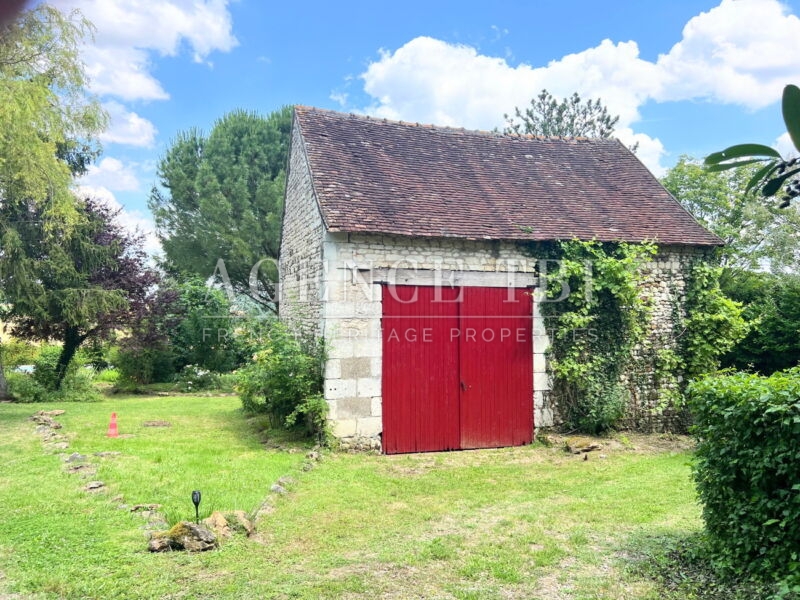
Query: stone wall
{"x": 356, "y": 267}
{"x": 301, "y": 263}
{"x": 665, "y": 284}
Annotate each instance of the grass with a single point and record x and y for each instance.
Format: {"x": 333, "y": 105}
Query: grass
{"x": 529, "y": 522}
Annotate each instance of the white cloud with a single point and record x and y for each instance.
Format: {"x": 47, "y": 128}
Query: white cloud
{"x": 111, "y": 174}
{"x": 785, "y": 146}
{"x": 127, "y": 127}
{"x": 127, "y": 32}
{"x": 134, "y": 221}
{"x": 742, "y": 51}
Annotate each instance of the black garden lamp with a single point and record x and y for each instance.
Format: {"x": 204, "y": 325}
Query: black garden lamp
{"x": 196, "y": 502}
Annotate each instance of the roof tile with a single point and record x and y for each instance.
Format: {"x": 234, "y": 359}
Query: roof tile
{"x": 390, "y": 177}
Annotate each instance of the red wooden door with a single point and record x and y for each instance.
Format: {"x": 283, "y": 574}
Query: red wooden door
{"x": 457, "y": 368}
{"x": 496, "y": 360}
{"x": 420, "y": 369}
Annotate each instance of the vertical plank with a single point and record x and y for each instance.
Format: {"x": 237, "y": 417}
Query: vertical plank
{"x": 496, "y": 329}
{"x": 420, "y": 369}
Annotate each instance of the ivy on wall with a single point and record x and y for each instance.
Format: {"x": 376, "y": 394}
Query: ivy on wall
{"x": 603, "y": 357}
{"x": 595, "y": 315}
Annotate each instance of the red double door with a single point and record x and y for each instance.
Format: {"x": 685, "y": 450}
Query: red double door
{"x": 457, "y": 368}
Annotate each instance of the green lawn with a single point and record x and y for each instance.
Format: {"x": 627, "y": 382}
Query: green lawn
{"x": 528, "y": 522}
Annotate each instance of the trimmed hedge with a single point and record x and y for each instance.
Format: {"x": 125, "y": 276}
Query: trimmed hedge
{"x": 747, "y": 471}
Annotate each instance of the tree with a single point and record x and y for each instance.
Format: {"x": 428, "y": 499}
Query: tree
{"x": 205, "y": 335}
{"x": 776, "y": 173}
{"x": 48, "y": 124}
{"x": 84, "y": 283}
{"x": 572, "y": 117}
{"x": 757, "y": 235}
{"x": 48, "y": 121}
{"x": 221, "y": 197}
{"x": 772, "y": 306}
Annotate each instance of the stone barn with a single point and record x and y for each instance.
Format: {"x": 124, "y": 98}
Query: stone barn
{"x": 407, "y": 247}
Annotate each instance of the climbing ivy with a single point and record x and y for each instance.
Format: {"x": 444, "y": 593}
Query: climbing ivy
{"x": 596, "y": 314}
{"x": 604, "y": 356}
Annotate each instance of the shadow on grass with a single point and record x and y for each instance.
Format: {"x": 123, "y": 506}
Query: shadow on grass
{"x": 682, "y": 569}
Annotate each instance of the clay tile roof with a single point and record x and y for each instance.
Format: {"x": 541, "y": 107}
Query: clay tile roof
{"x": 379, "y": 176}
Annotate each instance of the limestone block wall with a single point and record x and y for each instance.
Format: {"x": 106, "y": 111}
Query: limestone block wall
{"x": 356, "y": 267}
{"x": 301, "y": 264}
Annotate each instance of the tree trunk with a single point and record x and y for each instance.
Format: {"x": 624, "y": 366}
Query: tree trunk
{"x": 4, "y": 395}
{"x": 72, "y": 341}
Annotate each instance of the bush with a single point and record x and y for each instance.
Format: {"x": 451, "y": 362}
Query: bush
{"x": 284, "y": 381}
{"x": 747, "y": 471}
{"x": 139, "y": 367}
{"x": 193, "y": 379}
{"x": 78, "y": 386}
{"x": 45, "y": 367}
{"x": 109, "y": 375}
{"x": 24, "y": 388}
{"x": 772, "y": 306}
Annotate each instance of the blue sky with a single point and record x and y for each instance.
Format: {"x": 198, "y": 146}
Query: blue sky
{"x": 686, "y": 76}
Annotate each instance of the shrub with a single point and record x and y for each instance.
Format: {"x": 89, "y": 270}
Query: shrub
{"x": 77, "y": 386}
{"x": 24, "y": 388}
{"x": 747, "y": 471}
{"x": 138, "y": 366}
{"x": 45, "y": 367}
{"x": 109, "y": 375}
{"x": 284, "y": 381}
{"x": 192, "y": 378}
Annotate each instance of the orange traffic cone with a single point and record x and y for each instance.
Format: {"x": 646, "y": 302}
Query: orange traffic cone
{"x": 112, "y": 427}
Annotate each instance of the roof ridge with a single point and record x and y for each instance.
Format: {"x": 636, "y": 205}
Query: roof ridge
{"x": 448, "y": 128}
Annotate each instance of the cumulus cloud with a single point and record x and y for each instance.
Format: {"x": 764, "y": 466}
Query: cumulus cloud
{"x": 118, "y": 61}
{"x": 112, "y": 174}
{"x": 785, "y": 146}
{"x": 127, "y": 127}
{"x": 134, "y": 221}
{"x": 742, "y": 51}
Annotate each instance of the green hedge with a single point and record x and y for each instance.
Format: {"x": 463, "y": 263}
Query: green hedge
{"x": 747, "y": 470}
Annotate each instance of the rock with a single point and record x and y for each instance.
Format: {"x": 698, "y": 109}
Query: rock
{"x": 145, "y": 507}
{"x": 75, "y": 457}
{"x": 45, "y": 420}
{"x": 192, "y": 537}
{"x": 107, "y": 454}
{"x": 51, "y": 413}
{"x": 78, "y": 467}
{"x": 314, "y": 455}
{"x": 156, "y": 424}
{"x": 159, "y": 544}
{"x": 307, "y": 466}
{"x": 218, "y": 524}
{"x": 277, "y": 489}
{"x": 94, "y": 486}
{"x": 244, "y": 522}
{"x": 577, "y": 445}
{"x": 59, "y": 445}
{"x": 285, "y": 481}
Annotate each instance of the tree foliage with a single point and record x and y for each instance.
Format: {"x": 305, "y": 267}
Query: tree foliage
{"x": 206, "y": 334}
{"x": 89, "y": 280}
{"x": 775, "y": 174}
{"x": 571, "y": 117}
{"x": 772, "y": 307}
{"x": 221, "y": 197}
{"x": 48, "y": 120}
{"x": 48, "y": 124}
{"x": 756, "y": 234}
